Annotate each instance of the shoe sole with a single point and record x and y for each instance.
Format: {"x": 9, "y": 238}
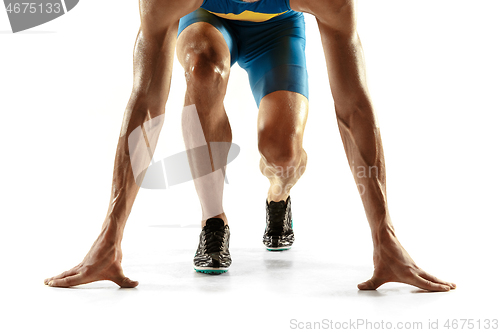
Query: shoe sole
{"x": 284, "y": 248}
{"x": 208, "y": 270}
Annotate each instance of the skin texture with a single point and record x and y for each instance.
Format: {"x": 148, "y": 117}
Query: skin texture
{"x": 205, "y": 161}
{"x": 208, "y": 62}
{"x": 362, "y": 142}
{"x": 205, "y": 57}
{"x": 281, "y": 123}
{"x": 153, "y": 60}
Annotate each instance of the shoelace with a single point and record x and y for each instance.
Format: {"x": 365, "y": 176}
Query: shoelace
{"x": 213, "y": 240}
{"x": 276, "y": 217}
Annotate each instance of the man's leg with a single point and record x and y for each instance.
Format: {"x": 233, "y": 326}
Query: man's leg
{"x": 205, "y": 57}
{"x": 278, "y": 77}
{"x": 281, "y": 122}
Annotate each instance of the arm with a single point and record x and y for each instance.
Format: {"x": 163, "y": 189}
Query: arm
{"x": 153, "y": 61}
{"x": 360, "y": 134}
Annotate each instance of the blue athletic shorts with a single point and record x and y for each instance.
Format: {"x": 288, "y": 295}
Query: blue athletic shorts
{"x": 272, "y": 52}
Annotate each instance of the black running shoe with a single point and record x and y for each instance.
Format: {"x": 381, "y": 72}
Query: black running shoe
{"x": 279, "y": 228}
{"x": 212, "y": 256}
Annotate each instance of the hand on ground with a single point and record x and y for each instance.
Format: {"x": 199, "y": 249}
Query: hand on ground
{"x": 103, "y": 262}
{"x": 393, "y": 264}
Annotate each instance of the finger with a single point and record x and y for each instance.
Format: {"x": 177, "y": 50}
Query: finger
{"x": 125, "y": 282}
{"x": 429, "y": 285}
{"x": 68, "y": 281}
{"x": 62, "y": 275}
{"x": 432, "y": 278}
{"x": 371, "y": 284}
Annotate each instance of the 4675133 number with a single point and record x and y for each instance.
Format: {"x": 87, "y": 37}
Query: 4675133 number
{"x": 31, "y": 7}
{"x": 471, "y": 324}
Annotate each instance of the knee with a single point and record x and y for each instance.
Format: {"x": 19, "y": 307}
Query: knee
{"x": 205, "y": 65}
{"x": 283, "y": 153}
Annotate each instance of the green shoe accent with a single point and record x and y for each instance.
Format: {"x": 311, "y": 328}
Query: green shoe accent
{"x": 211, "y": 271}
{"x": 277, "y": 249}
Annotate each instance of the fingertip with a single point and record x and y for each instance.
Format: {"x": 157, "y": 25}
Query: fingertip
{"x": 127, "y": 283}
{"x": 367, "y": 285}
{"x": 133, "y": 283}
{"x": 442, "y": 287}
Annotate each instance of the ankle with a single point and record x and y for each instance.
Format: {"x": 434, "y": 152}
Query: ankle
{"x": 277, "y": 198}
{"x": 220, "y": 216}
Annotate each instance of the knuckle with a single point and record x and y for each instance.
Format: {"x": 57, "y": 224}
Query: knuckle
{"x": 84, "y": 270}
{"x": 409, "y": 273}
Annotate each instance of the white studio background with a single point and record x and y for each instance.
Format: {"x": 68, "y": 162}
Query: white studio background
{"x": 433, "y": 74}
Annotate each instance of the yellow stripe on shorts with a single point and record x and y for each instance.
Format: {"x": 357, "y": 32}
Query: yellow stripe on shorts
{"x": 248, "y": 16}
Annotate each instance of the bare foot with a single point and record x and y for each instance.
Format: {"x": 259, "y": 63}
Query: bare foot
{"x": 103, "y": 262}
{"x": 393, "y": 264}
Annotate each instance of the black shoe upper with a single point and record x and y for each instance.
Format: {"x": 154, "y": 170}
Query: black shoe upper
{"x": 213, "y": 249}
{"x": 279, "y": 232}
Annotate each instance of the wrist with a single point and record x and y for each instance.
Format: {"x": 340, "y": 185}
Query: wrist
{"x": 112, "y": 232}
{"x": 383, "y": 234}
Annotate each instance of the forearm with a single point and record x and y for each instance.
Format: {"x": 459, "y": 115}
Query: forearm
{"x": 153, "y": 60}
{"x": 357, "y": 123}
{"x": 124, "y": 187}
{"x": 363, "y": 147}
{"x": 360, "y": 134}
